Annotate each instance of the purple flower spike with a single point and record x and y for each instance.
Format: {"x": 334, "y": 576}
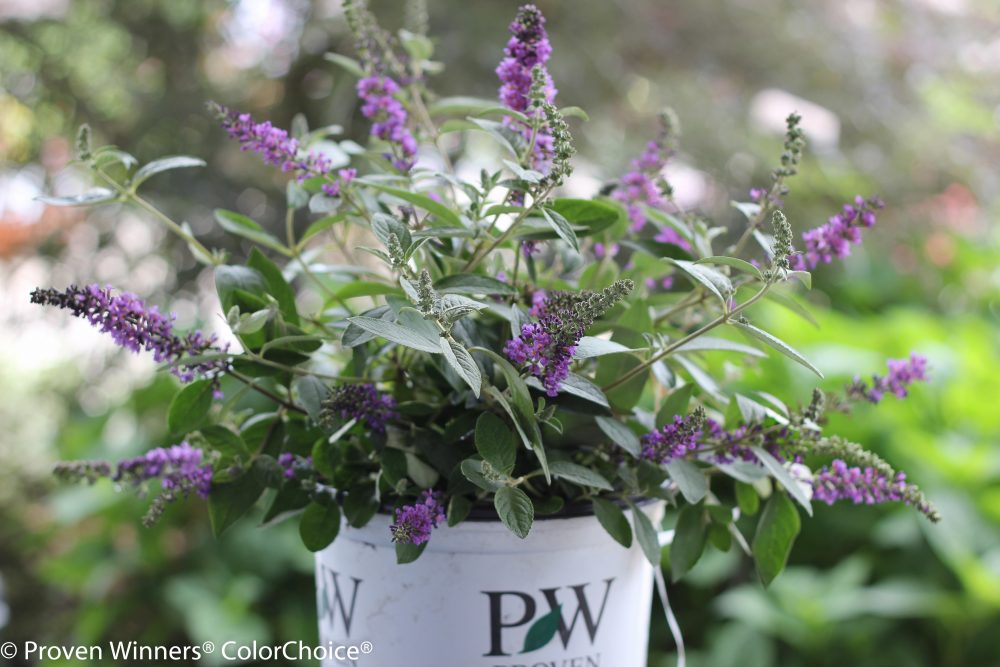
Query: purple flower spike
{"x": 135, "y": 326}
{"x": 547, "y": 357}
{"x": 641, "y": 186}
{"x": 902, "y": 373}
{"x": 866, "y": 486}
{"x": 415, "y": 522}
{"x": 362, "y": 402}
{"x": 673, "y": 441}
{"x": 835, "y": 238}
{"x": 388, "y": 116}
{"x": 528, "y": 46}
{"x": 180, "y": 470}
{"x": 273, "y": 144}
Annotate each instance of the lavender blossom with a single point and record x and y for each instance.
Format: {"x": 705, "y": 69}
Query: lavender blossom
{"x": 528, "y": 46}
{"x": 290, "y": 463}
{"x": 673, "y": 440}
{"x": 546, "y": 348}
{"x": 273, "y": 144}
{"x": 834, "y": 239}
{"x": 181, "y": 470}
{"x": 902, "y": 373}
{"x": 415, "y": 522}
{"x": 866, "y": 486}
{"x": 378, "y": 93}
{"x": 362, "y": 402}
{"x": 136, "y": 326}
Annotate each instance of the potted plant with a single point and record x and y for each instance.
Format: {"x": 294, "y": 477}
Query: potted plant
{"x": 480, "y": 412}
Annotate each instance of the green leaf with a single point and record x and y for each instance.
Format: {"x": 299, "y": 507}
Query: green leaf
{"x": 575, "y": 385}
{"x": 591, "y": 215}
{"x": 646, "y": 534}
{"x": 612, "y": 519}
{"x": 590, "y": 347}
{"x": 464, "y": 106}
{"x": 397, "y": 334}
{"x": 543, "y": 630}
{"x": 472, "y": 470}
{"x": 620, "y": 434}
{"x": 276, "y": 284}
{"x": 775, "y": 343}
{"x": 779, "y": 525}
{"x": 436, "y": 208}
{"x": 751, "y": 411}
{"x": 229, "y": 501}
{"x": 578, "y": 474}
{"x": 349, "y": 64}
{"x": 89, "y": 198}
{"x": 562, "y": 228}
{"x": 676, "y": 404}
{"x": 230, "y": 446}
{"x": 689, "y": 541}
{"x": 689, "y": 479}
{"x": 716, "y": 283}
{"x": 312, "y": 392}
{"x": 422, "y": 474}
{"x": 230, "y": 279}
{"x": 780, "y": 473}
{"x": 472, "y": 284}
{"x": 802, "y": 276}
{"x": 164, "y": 164}
{"x": 747, "y": 498}
{"x": 735, "y": 262}
{"x": 458, "y": 510}
{"x": 463, "y": 363}
{"x": 495, "y": 442}
{"x": 290, "y": 500}
{"x": 708, "y": 343}
{"x": 515, "y": 510}
{"x": 319, "y": 525}
{"x": 241, "y": 225}
{"x": 407, "y": 553}
{"x": 383, "y": 226}
{"x": 190, "y": 407}
{"x": 574, "y": 112}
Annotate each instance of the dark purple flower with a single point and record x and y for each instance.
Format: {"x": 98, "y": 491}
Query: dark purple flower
{"x": 388, "y": 116}
{"x": 135, "y": 326}
{"x": 529, "y": 247}
{"x": 672, "y": 441}
{"x": 290, "y": 463}
{"x": 835, "y": 238}
{"x": 180, "y": 469}
{"x": 362, "y": 402}
{"x": 865, "y": 486}
{"x": 528, "y": 46}
{"x": 273, "y": 144}
{"x": 902, "y": 373}
{"x": 415, "y": 522}
{"x": 547, "y": 356}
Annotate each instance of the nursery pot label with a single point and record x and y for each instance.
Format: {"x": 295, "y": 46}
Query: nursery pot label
{"x": 567, "y": 596}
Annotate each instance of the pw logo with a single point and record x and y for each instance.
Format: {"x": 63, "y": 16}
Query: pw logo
{"x": 545, "y": 628}
{"x": 333, "y": 596}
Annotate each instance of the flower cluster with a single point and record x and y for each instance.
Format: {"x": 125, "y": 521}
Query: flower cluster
{"x": 362, "y": 402}
{"x": 867, "y": 486}
{"x": 527, "y": 48}
{"x": 547, "y": 347}
{"x": 388, "y": 116}
{"x": 834, "y": 239}
{"x": 273, "y": 144}
{"x": 135, "y": 326}
{"x": 415, "y": 522}
{"x": 181, "y": 470}
{"x": 674, "y": 440}
{"x": 643, "y": 184}
{"x": 290, "y": 463}
{"x": 902, "y": 373}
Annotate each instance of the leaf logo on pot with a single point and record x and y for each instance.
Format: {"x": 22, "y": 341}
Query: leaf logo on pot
{"x": 516, "y": 609}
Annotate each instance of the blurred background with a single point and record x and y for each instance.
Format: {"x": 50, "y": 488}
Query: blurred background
{"x": 900, "y": 98}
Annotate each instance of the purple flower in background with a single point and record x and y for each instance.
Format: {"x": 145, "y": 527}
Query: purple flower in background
{"x": 642, "y": 186}
{"x": 180, "y": 469}
{"x": 273, "y": 144}
{"x": 528, "y": 46}
{"x": 344, "y": 178}
{"x": 415, "y": 522}
{"x": 362, "y": 402}
{"x": 601, "y": 251}
{"x": 388, "y": 116}
{"x": 672, "y": 441}
{"x": 835, "y": 238}
{"x": 290, "y": 463}
{"x": 902, "y": 373}
{"x": 529, "y": 247}
{"x": 135, "y": 326}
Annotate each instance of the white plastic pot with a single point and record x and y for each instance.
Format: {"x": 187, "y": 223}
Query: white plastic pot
{"x": 477, "y": 591}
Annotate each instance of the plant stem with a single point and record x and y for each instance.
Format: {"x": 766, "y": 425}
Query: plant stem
{"x": 479, "y": 254}
{"x": 250, "y": 382}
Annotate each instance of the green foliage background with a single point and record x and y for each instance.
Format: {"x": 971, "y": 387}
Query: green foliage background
{"x": 914, "y": 86}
